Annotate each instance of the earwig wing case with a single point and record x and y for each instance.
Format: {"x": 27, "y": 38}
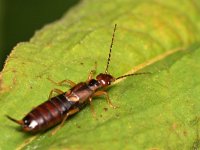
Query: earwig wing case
{"x": 155, "y": 111}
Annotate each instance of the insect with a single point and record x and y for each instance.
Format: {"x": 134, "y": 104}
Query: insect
{"x": 57, "y": 109}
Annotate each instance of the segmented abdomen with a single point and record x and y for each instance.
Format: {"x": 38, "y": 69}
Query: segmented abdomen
{"x": 49, "y": 113}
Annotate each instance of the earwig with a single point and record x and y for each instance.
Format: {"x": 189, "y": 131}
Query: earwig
{"x": 58, "y": 108}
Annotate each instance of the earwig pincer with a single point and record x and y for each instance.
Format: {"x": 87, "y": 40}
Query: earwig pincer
{"x": 58, "y": 108}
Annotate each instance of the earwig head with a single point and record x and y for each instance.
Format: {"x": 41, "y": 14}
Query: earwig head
{"x": 105, "y": 79}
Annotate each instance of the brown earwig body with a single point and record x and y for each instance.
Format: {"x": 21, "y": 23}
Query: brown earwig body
{"x": 57, "y": 109}
{"x": 54, "y": 110}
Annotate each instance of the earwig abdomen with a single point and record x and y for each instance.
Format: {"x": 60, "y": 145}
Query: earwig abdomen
{"x": 47, "y": 114}
{"x": 56, "y": 109}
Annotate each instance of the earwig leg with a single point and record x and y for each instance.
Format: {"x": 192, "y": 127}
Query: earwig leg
{"x": 61, "y": 83}
{"x": 92, "y": 107}
{"x": 92, "y": 72}
{"x": 55, "y": 91}
{"x": 99, "y": 93}
{"x": 71, "y": 112}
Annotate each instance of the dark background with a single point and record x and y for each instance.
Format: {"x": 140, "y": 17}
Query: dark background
{"x": 19, "y": 19}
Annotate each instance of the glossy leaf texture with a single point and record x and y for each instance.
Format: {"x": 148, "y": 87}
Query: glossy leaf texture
{"x": 156, "y": 111}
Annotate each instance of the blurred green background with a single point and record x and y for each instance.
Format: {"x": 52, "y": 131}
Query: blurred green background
{"x": 19, "y": 19}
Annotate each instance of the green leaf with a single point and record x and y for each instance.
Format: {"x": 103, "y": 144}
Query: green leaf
{"x": 157, "y": 111}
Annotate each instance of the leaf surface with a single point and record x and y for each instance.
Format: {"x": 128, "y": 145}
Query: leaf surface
{"x": 157, "y": 111}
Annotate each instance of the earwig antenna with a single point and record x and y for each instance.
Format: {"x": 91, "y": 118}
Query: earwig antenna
{"x": 132, "y": 74}
{"x": 14, "y": 120}
{"x": 108, "y": 61}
